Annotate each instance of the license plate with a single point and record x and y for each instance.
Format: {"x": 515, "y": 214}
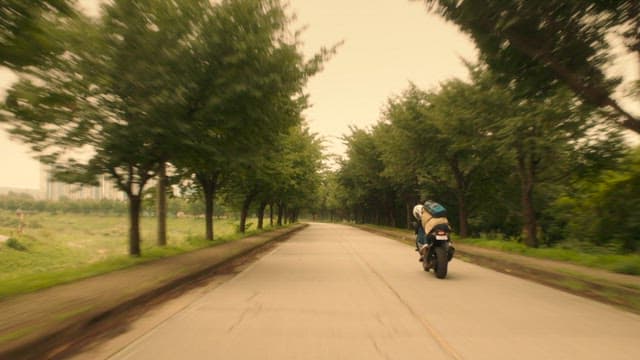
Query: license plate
{"x": 442, "y": 237}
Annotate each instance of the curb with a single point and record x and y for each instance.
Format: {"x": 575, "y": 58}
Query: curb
{"x": 55, "y": 340}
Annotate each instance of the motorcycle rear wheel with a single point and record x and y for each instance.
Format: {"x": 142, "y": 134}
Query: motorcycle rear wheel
{"x": 441, "y": 263}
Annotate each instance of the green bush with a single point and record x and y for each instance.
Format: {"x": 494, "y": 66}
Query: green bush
{"x": 15, "y": 244}
{"x": 603, "y": 211}
{"x": 630, "y": 266}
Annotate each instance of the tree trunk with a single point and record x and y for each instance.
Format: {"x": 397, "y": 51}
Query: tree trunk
{"x": 209, "y": 197}
{"x": 392, "y": 216}
{"x": 271, "y": 214}
{"x": 134, "y": 225}
{"x": 461, "y": 190}
{"x": 261, "y": 208}
{"x": 243, "y": 218}
{"x": 208, "y": 183}
{"x": 463, "y": 216}
{"x": 280, "y": 213}
{"x": 527, "y": 178}
{"x": 161, "y": 204}
{"x": 245, "y": 211}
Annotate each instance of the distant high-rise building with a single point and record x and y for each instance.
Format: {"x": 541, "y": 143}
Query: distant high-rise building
{"x": 54, "y": 190}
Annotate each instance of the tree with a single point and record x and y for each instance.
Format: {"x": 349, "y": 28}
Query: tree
{"x": 538, "y": 45}
{"x": 299, "y": 166}
{"x": 245, "y": 88}
{"x": 28, "y": 30}
{"x": 442, "y": 137}
{"x": 285, "y": 174}
{"x": 328, "y": 205}
{"x": 494, "y": 165}
{"x": 604, "y": 209}
{"x": 548, "y": 140}
{"x": 370, "y": 197}
{"x": 113, "y": 91}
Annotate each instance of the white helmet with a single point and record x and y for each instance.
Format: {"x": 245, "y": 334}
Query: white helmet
{"x": 417, "y": 212}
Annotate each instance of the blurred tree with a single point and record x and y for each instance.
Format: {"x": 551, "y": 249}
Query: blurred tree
{"x": 538, "y": 45}
{"x": 604, "y": 208}
{"x": 28, "y": 30}
{"x": 113, "y": 91}
{"x": 549, "y": 140}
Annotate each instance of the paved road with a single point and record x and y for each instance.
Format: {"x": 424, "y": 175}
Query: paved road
{"x": 335, "y": 292}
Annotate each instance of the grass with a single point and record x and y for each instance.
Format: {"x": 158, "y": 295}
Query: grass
{"x": 625, "y": 264}
{"x": 16, "y": 334}
{"x": 74, "y": 312}
{"x": 56, "y": 249}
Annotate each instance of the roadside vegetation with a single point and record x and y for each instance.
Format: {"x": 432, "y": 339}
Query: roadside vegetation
{"x": 577, "y": 253}
{"x": 58, "y": 248}
{"x": 207, "y": 97}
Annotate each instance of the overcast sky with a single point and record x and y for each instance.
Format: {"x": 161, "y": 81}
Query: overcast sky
{"x": 387, "y": 44}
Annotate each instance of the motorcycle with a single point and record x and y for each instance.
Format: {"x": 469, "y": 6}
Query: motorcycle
{"x": 439, "y": 252}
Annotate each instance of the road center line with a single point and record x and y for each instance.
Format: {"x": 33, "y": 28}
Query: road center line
{"x": 444, "y": 344}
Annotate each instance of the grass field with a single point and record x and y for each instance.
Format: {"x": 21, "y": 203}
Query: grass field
{"x": 54, "y": 249}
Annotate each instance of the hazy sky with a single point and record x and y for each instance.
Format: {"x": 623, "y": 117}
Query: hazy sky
{"x": 387, "y": 44}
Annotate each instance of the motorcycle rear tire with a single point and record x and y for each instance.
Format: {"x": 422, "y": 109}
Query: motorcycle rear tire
{"x": 441, "y": 263}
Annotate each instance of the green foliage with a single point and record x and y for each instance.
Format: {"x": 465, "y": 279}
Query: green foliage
{"x": 604, "y": 210}
{"x": 596, "y": 257}
{"x": 28, "y": 30}
{"x": 496, "y": 171}
{"x": 13, "y": 243}
{"x": 12, "y": 203}
{"x": 537, "y": 46}
{"x": 629, "y": 267}
{"x": 287, "y": 174}
{"x": 368, "y": 196}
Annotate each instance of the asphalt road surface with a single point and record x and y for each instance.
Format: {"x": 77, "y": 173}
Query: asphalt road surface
{"x": 335, "y": 292}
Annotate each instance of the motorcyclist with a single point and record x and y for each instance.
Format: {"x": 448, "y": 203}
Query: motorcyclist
{"x": 428, "y": 222}
{"x": 421, "y": 236}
